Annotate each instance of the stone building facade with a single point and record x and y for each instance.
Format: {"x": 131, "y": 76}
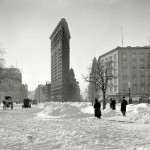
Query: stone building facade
{"x": 131, "y": 66}
{"x": 11, "y": 84}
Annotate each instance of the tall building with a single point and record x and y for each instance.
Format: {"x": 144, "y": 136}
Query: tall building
{"x": 60, "y": 62}
{"x": 74, "y": 89}
{"x": 40, "y": 93}
{"x": 132, "y": 70}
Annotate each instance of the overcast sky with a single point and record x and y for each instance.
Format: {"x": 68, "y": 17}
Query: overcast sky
{"x": 95, "y": 28}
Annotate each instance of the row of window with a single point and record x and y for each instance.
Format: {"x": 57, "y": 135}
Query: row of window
{"x": 135, "y": 71}
{"x": 134, "y": 56}
{"x": 142, "y": 88}
{"x": 114, "y": 57}
{"x": 135, "y": 79}
{"x": 112, "y": 89}
{"x": 134, "y": 63}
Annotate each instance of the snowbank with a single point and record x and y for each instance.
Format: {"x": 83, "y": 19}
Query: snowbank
{"x": 66, "y": 109}
{"x": 139, "y": 113}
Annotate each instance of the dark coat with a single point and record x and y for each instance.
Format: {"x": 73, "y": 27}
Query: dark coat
{"x": 123, "y": 105}
{"x": 97, "y": 106}
{"x": 113, "y": 104}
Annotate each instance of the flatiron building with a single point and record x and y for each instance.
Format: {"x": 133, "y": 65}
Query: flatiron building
{"x": 60, "y": 62}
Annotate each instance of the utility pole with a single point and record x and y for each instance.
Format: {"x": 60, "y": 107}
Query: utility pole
{"x": 122, "y": 35}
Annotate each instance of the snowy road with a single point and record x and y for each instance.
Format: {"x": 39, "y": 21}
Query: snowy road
{"x": 20, "y": 129}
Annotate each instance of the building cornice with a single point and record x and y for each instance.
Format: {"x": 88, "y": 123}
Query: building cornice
{"x": 123, "y": 48}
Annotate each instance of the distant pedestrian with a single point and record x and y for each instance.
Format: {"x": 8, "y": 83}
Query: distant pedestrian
{"x": 123, "y": 106}
{"x": 113, "y": 104}
{"x": 97, "y": 107}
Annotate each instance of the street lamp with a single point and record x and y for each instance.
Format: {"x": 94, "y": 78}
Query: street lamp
{"x": 129, "y": 86}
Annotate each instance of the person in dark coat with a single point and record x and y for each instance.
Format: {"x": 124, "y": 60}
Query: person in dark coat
{"x": 97, "y": 108}
{"x": 113, "y": 104}
{"x": 123, "y": 106}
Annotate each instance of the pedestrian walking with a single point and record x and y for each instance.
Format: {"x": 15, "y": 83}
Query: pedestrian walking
{"x": 113, "y": 104}
{"x": 97, "y": 109}
{"x": 123, "y": 106}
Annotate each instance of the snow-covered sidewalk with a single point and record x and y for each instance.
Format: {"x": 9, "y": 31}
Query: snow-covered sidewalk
{"x": 72, "y": 126}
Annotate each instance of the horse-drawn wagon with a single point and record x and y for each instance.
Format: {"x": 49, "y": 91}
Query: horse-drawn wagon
{"x": 7, "y": 102}
{"x": 26, "y": 103}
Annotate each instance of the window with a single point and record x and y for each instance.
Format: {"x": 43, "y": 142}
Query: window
{"x": 110, "y": 58}
{"x": 115, "y": 72}
{"x": 110, "y": 81}
{"x": 115, "y": 80}
{"x": 115, "y": 64}
{"x": 134, "y": 80}
{"x": 142, "y": 80}
{"x": 115, "y": 88}
{"x": 134, "y": 56}
{"x": 142, "y": 71}
{"x": 134, "y": 88}
{"x": 134, "y": 62}
{"x": 124, "y": 56}
{"x": 124, "y": 63}
{"x": 134, "y": 71}
{"x": 115, "y": 57}
{"x": 141, "y": 56}
{"x": 142, "y": 88}
{"x": 110, "y": 89}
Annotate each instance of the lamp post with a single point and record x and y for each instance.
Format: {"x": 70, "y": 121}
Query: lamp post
{"x": 129, "y": 86}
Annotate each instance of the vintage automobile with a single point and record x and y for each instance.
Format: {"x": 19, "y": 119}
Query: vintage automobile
{"x": 26, "y": 103}
{"x": 7, "y": 102}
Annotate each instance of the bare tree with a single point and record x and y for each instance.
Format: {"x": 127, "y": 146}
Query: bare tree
{"x": 4, "y": 73}
{"x": 100, "y": 73}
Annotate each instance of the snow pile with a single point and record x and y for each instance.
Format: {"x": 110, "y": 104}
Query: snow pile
{"x": 41, "y": 105}
{"x": 140, "y": 113}
{"x": 67, "y": 110}
{"x": 108, "y": 112}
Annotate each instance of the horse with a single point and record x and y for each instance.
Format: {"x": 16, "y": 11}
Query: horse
{"x": 7, "y": 104}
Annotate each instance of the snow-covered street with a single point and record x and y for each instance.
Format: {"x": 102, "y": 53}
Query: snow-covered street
{"x": 72, "y": 126}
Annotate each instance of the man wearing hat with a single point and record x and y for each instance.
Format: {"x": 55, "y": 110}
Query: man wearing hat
{"x": 123, "y": 106}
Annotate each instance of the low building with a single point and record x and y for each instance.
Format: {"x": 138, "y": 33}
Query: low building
{"x": 11, "y": 84}
{"x": 131, "y": 70}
